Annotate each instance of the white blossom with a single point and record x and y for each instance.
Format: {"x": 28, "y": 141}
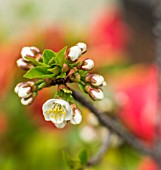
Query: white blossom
{"x": 58, "y": 111}
{"x": 76, "y": 117}
{"x": 82, "y": 46}
{"x": 74, "y": 53}
{"x": 88, "y": 64}
{"x": 23, "y": 64}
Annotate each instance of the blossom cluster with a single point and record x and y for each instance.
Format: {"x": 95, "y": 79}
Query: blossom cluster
{"x": 50, "y": 68}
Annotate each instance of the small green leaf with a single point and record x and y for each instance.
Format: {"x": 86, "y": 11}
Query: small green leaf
{"x": 83, "y": 156}
{"x": 62, "y": 75}
{"x": 55, "y": 70}
{"x": 48, "y": 55}
{"x": 60, "y": 56}
{"x": 38, "y": 72}
{"x": 81, "y": 86}
{"x": 82, "y": 73}
{"x": 34, "y": 62}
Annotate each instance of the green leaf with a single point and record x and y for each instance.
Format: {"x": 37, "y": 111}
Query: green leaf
{"x": 82, "y": 73}
{"x": 38, "y": 72}
{"x": 62, "y": 75}
{"x": 34, "y": 62}
{"x": 81, "y": 86}
{"x": 60, "y": 56}
{"x": 55, "y": 70}
{"x": 48, "y": 55}
{"x": 83, "y": 156}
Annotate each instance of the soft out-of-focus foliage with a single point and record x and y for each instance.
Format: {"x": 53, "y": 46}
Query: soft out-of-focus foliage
{"x": 26, "y": 140}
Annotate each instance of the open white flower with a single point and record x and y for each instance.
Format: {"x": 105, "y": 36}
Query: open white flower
{"x": 58, "y": 111}
{"x": 74, "y": 53}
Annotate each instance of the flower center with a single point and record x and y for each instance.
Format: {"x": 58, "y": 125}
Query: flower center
{"x": 57, "y": 112}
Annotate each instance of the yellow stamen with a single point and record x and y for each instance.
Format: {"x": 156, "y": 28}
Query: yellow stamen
{"x": 57, "y": 111}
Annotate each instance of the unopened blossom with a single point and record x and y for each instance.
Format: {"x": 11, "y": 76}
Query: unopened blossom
{"x": 74, "y": 53}
{"x": 82, "y": 46}
{"x": 25, "y": 91}
{"x": 58, "y": 111}
{"x": 94, "y": 93}
{"x": 27, "y": 101}
{"x": 23, "y": 64}
{"x": 77, "y": 116}
{"x": 30, "y": 52}
{"x": 95, "y": 79}
{"x": 87, "y": 64}
{"x": 18, "y": 87}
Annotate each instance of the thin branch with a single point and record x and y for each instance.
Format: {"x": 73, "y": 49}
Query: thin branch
{"x": 99, "y": 155}
{"x": 111, "y": 124}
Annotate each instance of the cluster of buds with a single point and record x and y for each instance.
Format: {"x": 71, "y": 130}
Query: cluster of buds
{"x": 95, "y": 81}
{"x": 51, "y": 68}
{"x": 26, "y": 92}
{"x": 32, "y": 52}
{"x": 60, "y": 112}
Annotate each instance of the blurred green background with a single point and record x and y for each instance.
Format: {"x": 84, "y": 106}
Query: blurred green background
{"x": 120, "y": 41}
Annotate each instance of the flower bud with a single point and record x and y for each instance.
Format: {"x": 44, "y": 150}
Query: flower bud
{"x": 74, "y": 53}
{"x": 18, "y": 87}
{"x": 82, "y": 46}
{"x": 65, "y": 68}
{"x": 24, "y": 91}
{"x": 75, "y": 77}
{"x": 87, "y": 64}
{"x": 77, "y": 116}
{"x": 94, "y": 93}
{"x": 27, "y": 101}
{"x": 24, "y": 65}
{"x": 95, "y": 79}
{"x": 32, "y": 52}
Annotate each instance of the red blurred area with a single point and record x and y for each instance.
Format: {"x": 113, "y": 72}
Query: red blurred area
{"x": 147, "y": 164}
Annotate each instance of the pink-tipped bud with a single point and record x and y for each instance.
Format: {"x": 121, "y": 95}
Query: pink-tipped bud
{"x": 95, "y": 79}
{"x": 32, "y": 52}
{"x": 18, "y": 87}
{"x": 74, "y": 53}
{"x": 24, "y": 65}
{"x": 77, "y": 116}
{"x": 82, "y": 46}
{"x": 87, "y": 64}
{"x": 26, "y": 89}
{"x": 94, "y": 93}
{"x": 27, "y": 101}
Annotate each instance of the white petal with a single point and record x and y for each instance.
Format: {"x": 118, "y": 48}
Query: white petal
{"x": 59, "y": 119}
{"x": 104, "y": 84}
{"x": 77, "y": 118}
{"x": 62, "y": 125}
{"x": 74, "y": 53}
{"x": 82, "y": 46}
{"x": 28, "y": 101}
{"x": 24, "y": 92}
{"x": 98, "y": 95}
